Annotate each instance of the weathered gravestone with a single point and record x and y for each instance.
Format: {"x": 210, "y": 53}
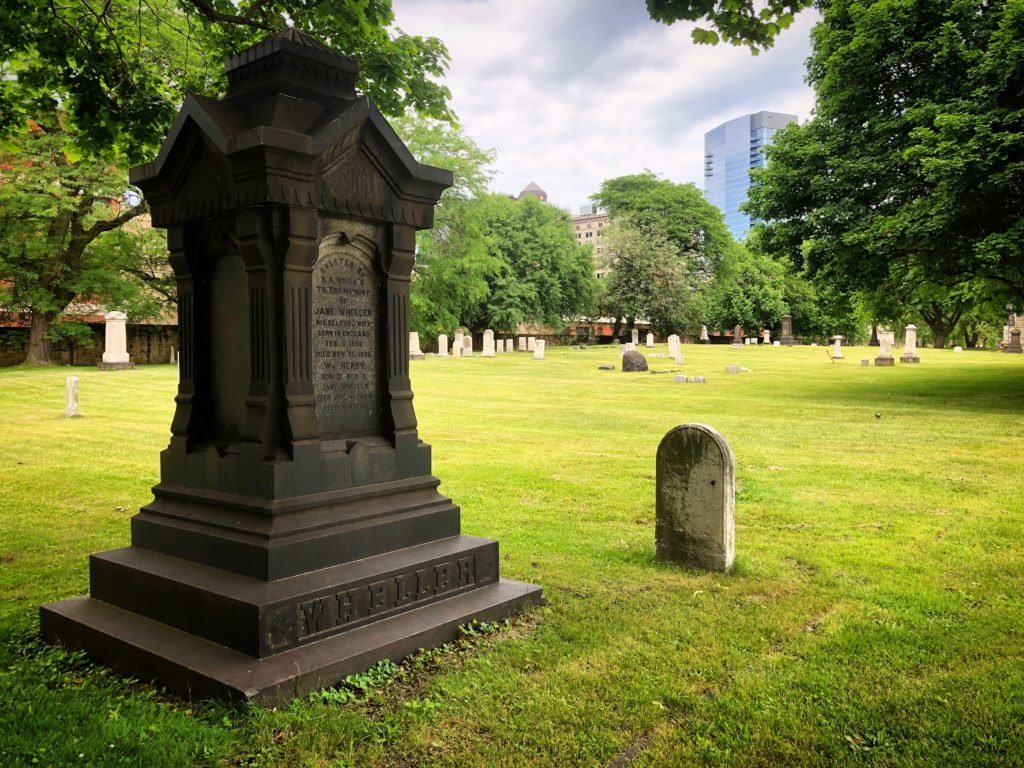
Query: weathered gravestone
{"x": 837, "y": 347}
{"x": 442, "y": 345}
{"x": 704, "y": 338}
{"x": 634, "y": 337}
{"x": 633, "y": 362}
{"x": 696, "y": 479}
{"x": 649, "y": 341}
{"x": 737, "y": 337}
{"x": 488, "y": 348}
{"x": 531, "y": 343}
{"x": 297, "y": 534}
{"x": 1014, "y": 345}
{"x": 884, "y": 357}
{"x": 415, "y": 353}
{"x": 910, "y": 345}
{"x": 508, "y": 345}
{"x": 71, "y": 399}
{"x": 538, "y": 350}
{"x": 115, "y": 343}
{"x": 786, "y": 339}
{"x": 459, "y": 343}
{"x": 522, "y": 344}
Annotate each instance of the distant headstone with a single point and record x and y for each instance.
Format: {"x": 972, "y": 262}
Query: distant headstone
{"x": 910, "y": 345}
{"x": 509, "y": 345}
{"x": 673, "y": 345}
{"x": 456, "y": 348}
{"x": 697, "y": 380}
{"x": 865, "y": 361}
{"x": 499, "y": 346}
{"x": 488, "y": 350}
{"x": 71, "y": 409}
{"x": 459, "y": 342}
{"x": 1014, "y": 345}
{"x": 467, "y": 345}
{"x": 873, "y": 341}
{"x": 442, "y": 345}
{"x": 680, "y": 379}
{"x": 606, "y": 367}
{"x": 787, "y": 339}
{"x": 958, "y": 349}
{"x": 538, "y": 350}
{"x": 737, "y": 336}
{"x": 633, "y": 362}
{"x": 704, "y": 338}
{"x": 695, "y": 504}
{"x": 635, "y": 336}
{"x": 837, "y": 347}
{"x": 767, "y": 336}
{"x": 115, "y": 343}
{"x": 414, "y": 346}
{"x": 884, "y": 357}
{"x": 531, "y": 343}
{"x": 746, "y": 341}
{"x": 776, "y": 343}
{"x": 522, "y": 343}
{"x": 650, "y": 340}
{"x": 173, "y": 359}
{"x": 733, "y": 369}
{"x": 814, "y": 343}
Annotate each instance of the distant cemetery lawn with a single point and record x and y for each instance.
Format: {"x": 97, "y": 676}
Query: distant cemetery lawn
{"x": 874, "y": 616}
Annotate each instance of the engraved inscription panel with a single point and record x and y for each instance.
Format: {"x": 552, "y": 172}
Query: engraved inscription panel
{"x": 335, "y": 611}
{"x": 346, "y": 332}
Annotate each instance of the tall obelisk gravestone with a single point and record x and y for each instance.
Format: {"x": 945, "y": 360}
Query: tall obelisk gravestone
{"x": 297, "y": 534}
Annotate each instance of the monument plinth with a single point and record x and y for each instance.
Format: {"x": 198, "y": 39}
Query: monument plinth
{"x": 297, "y": 534}
{"x": 787, "y": 339}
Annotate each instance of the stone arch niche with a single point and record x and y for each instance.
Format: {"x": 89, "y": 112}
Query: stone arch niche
{"x": 297, "y": 534}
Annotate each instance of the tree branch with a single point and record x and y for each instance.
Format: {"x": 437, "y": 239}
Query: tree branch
{"x": 99, "y": 227}
{"x": 211, "y": 13}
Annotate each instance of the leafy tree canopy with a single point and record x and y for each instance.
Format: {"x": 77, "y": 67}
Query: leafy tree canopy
{"x": 122, "y": 67}
{"x": 911, "y": 172}
{"x": 740, "y": 22}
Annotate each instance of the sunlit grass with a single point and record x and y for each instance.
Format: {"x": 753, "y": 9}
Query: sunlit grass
{"x": 875, "y": 615}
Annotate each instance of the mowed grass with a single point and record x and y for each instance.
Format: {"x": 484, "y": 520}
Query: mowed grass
{"x": 875, "y": 616}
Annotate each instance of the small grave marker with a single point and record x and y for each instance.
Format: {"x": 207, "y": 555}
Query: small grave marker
{"x": 71, "y": 411}
{"x": 695, "y": 506}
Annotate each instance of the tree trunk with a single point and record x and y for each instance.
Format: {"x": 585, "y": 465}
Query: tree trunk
{"x": 39, "y": 346}
{"x": 940, "y": 334}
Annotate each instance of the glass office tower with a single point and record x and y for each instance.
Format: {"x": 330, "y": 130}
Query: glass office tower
{"x": 730, "y": 151}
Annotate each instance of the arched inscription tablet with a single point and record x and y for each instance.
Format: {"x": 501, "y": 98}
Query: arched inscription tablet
{"x": 346, "y": 370}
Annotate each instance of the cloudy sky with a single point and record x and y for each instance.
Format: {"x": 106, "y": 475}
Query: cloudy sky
{"x": 571, "y": 92}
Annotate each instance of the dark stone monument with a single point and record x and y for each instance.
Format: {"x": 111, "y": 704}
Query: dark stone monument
{"x": 633, "y": 362}
{"x": 786, "y": 339}
{"x": 1014, "y": 345}
{"x": 873, "y": 341}
{"x": 694, "y": 510}
{"x": 297, "y": 534}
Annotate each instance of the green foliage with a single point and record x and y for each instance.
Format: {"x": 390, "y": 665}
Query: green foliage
{"x": 122, "y": 67}
{"x": 500, "y": 262}
{"x": 649, "y": 278}
{"x": 911, "y": 173}
{"x": 749, "y": 289}
{"x": 671, "y": 243}
{"x": 740, "y": 22}
{"x": 60, "y": 236}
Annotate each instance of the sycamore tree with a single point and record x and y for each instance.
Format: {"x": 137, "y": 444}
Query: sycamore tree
{"x": 648, "y": 279}
{"x": 88, "y": 88}
{"x": 909, "y": 179}
{"x": 679, "y": 215}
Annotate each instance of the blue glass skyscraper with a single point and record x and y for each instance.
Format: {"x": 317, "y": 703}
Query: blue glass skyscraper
{"x": 730, "y": 151}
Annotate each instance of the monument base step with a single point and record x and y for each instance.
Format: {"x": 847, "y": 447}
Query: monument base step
{"x": 200, "y": 669}
{"x": 115, "y": 366}
{"x": 885, "y": 362}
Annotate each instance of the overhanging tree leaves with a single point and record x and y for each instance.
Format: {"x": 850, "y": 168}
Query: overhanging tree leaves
{"x": 122, "y": 67}
{"x": 740, "y": 22}
{"x": 912, "y": 170}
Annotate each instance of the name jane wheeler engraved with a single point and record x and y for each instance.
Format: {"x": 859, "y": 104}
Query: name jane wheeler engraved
{"x": 345, "y": 342}
{"x": 352, "y": 605}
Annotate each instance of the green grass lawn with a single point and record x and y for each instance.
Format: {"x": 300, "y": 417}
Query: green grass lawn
{"x": 875, "y": 616}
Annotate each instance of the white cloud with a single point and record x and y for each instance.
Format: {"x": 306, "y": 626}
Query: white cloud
{"x": 577, "y": 91}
